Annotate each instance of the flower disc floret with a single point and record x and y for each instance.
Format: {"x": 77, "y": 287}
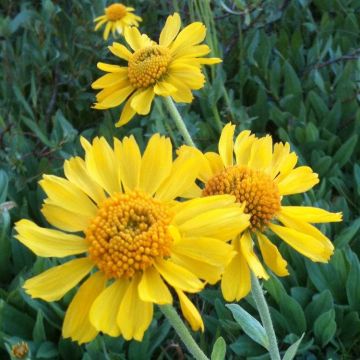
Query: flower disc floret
{"x": 254, "y": 188}
{"x": 115, "y": 12}
{"x": 148, "y": 65}
{"x": 128, "y": 233}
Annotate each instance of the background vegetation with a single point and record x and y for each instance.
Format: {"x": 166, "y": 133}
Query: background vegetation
{"x": 291, "y": 69}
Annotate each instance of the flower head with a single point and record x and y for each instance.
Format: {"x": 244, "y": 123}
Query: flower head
{"x": 171, "y": 67}
{"x": 118, "y": 209}
{"x": 259, "y": 177}
{"x": 117, "y": 17}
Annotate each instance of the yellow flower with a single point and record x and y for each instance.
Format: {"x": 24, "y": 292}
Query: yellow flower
{"x": 117, "y": 17}
{"x": 118, "y": 208}
{"x": 259, "y": 177}
{"x": 171, "y": 67}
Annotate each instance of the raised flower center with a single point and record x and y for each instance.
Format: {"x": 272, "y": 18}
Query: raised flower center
{"x": 252, "y": 187}
{"x": 128, "y": 233}
{"x": 115, "y": 12}
{"x": 148, "y": 65}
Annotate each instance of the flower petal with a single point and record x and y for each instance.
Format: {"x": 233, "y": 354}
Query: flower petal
{"x": 170, "y": 30}
{"x": 120, "y": 51}
{"x": 156, "y": 163}
{"x": 109, "y": 67}
{"x": 105, "y": 308}
{"x": 49, "y": 242}
{"x": 272, "y": 256}
{"x": 311, "y": 214}
{"x": 190, "y": 312}
{"x": 116, "y": 97}
{"x": 76, "y": 172}
{"x": 153, "y": 289}
{"x": 242, "y": 147}
{"x": 261, "y": 154}
{"x": 178, "y": 277}
{"x": 142, "y": 101}
{"x": 54, "y": 283}
{"x": 226, "y": 144}
{"x": 236, "y": 280}
{"x": 134, "y": 315}
{"x": 254, "y": 263}
{"x": 127, "y": 112}
{"x": 119, "y": 78}
{"x": 128, "y": 155}
{"x": 135, "y": 39}
{"x": 77, "y": 325}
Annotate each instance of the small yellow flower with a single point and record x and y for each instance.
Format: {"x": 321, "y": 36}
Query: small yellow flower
{"x": 117, "y": 17}
{"x": 118, "y": 208}
{"x": 259, "y": 178}
{"x": 171, "y": 67}
{"x": 20, "y": 350}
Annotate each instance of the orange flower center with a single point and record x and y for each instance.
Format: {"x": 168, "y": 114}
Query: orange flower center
{"x": 128, "y": 233}
{"x": 148, "y": 65}
{"x": 115, "y": 12}
{"x": 20, "y": 350}
{"x": 252, "y": 187}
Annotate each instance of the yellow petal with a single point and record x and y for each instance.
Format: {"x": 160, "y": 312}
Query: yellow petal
{"x": 54, "y": 283}
{"x": 226, "y": 144}
{"x": 182, "y": 176}
{"x": 76, "y": 172}
{"x": 49, "y": 242}
{"x": 193, "y": 51}
{"x": 170, "y": 30}
{"x": 153, "y": 289}
{"x": 208, "y": 61}
{"x": 223, "y": 224}
{"x": 109, "y": 67}
{"x": 187, "y": 210}
{"x": 207, "y": 250}
{"x": 135, "y": 39}
{"x": 100, "y": 160}
{"x": 105, "y": 308}
{"x": 189, "y": 75}
{"x": 119, "y": 78}
{"x": 178, "y": 277}
{"x": 100, "y": 24}
{"x": 298, "y": 180}
{"x": 311, "y": 214}
{"x": 129, "y": 161}
{"x": 164, "y": 88}
{"x": 236, "y": 280}
{"x": 272, "y": 256}
{"x": 192, "y": 34}
{"x": 190, "y": 312}
{"x": 156, "y": 163}
{"x": 282, "y": 159}
{"x": 77, "y": 325}
{"x": 134, "y": 315}
{"x": 64, "y": 219}
{"x": 107, "y": 30}
{"x": 142, "y": 101}
{"x": 127, "y": 112}
{"x": 117, "y": 97}
{"x": 183, "y": 93}
{"x": 120, "y": 51}
{"x": 242, "y": 147}
{"x": 261, "y": 154}
{"x": 215, "y": 162}
{"x": 250, "y": 257}
{"x": 65, "y": 194}
{"x": 315, "y": 248}
{"x": 203, "y": 270}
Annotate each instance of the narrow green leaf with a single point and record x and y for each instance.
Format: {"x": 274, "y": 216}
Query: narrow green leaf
{"x": 345, "y": 151}
{"x": 291, "y": 351}
{"x": 325, "y": 327}
{"x": 219, "y": 349}
{"x": 250, "y": 325}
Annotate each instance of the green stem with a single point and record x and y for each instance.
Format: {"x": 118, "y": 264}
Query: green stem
{"x": 184, "y": 334}
{"x": 178, "y": 120}
{"x": 264, "y": 312}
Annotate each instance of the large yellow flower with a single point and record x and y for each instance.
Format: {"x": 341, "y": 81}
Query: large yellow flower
{"x": 171, "y": 67}
{"x": 117, "y": 17}
{"x": 259, "y": 177}
{"x": 118, "y": 208}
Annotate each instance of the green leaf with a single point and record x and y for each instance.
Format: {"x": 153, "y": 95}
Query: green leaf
{"x": 325, "y": 327}
{"x": 294, "y": 314}
{"x": 249, "y": 324}
{"x": 39, "y": 329}
{"x": 219, "y": 349}
{"x": 320, "y": 303}
{"x": 347, "y": 234}
{"x": 47, "y": 350}
{"x": 291, "y": 351}
{"x": 353, "y": 282}
{"x": 345, "y": 151}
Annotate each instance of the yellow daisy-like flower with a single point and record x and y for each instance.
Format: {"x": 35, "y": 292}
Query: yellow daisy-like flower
{"x": 259, "y": 177}
{"x": 117, "y": 17}
{"x": 171, "y": 67}
{"x": 118, "y": 208}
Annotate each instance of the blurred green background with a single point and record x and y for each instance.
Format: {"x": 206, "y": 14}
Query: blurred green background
{"x": 291, "y": 69}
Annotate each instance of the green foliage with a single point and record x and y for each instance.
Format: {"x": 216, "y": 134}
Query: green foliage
{"x": 291, "y": 69}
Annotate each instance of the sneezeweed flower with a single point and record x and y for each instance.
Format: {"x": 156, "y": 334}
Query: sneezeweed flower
{"x": 171, "y": 67}
{"x": 117, "y": 17}
{"x": 137, "y": 239}
{"x": 259, "y": 177}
